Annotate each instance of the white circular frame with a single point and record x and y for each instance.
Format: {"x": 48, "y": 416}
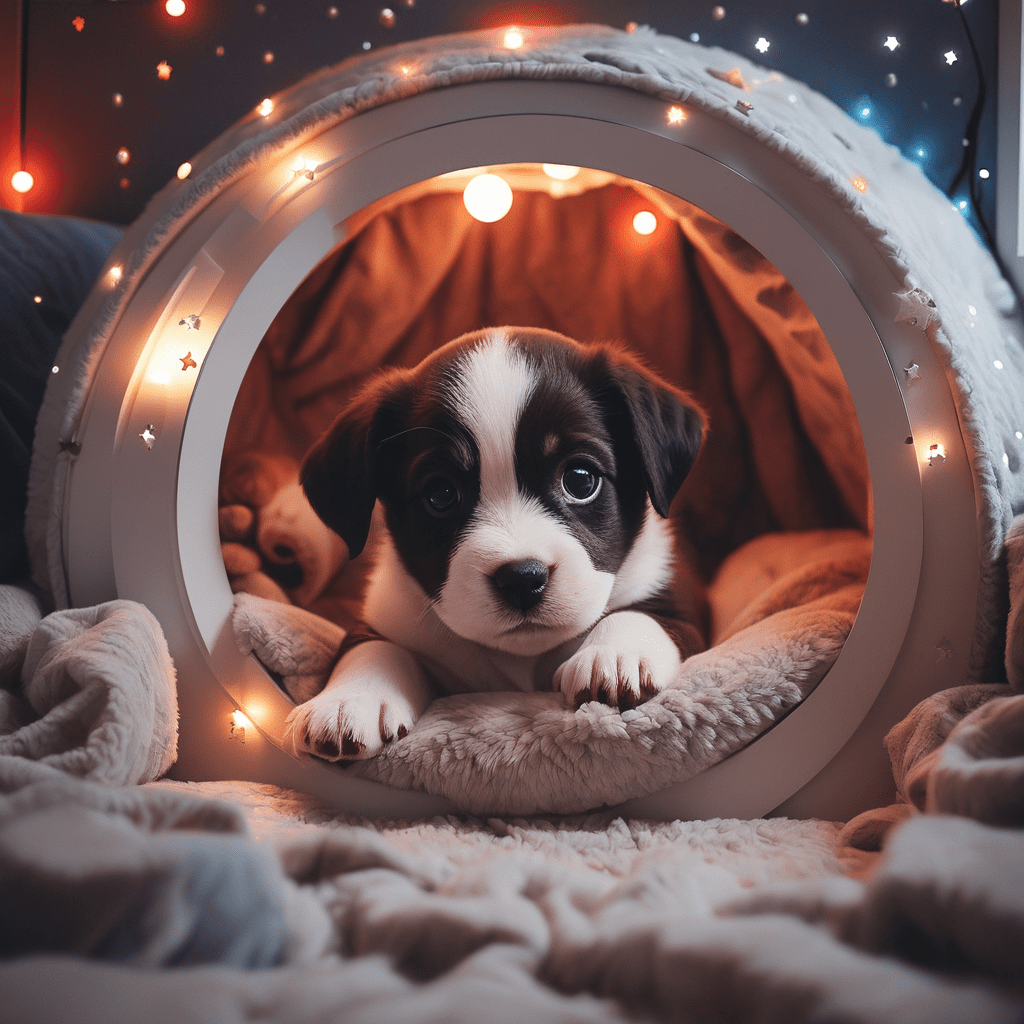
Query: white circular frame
{"x": 141, "y": 519}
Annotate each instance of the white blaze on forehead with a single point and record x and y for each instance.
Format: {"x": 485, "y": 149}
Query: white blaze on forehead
{"x": 493, "y": 384}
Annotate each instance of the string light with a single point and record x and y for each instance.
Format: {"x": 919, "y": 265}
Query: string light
{"x": 163, "y": 70}
{"x": 891, "y": 42}
{"x": 387, "y": 17}
{"x": 762, "y": 45}
{"x": 676, "y": 115}
{"x": 936, "y": 454}
{"x": 487, "y": 198}
{"x": 513, "y": 39}
{"x": 560, "y": 172}
{"x": 718, "y": 13}
{"x": 266, "y": 107}
{"x": 175, "y": 8}
{"x": 859, "y": 183}
{"x": 22, "y": 181}
{"x": 303, "y": 168}
{"x": 184, "y": 171}
{"x": 950, "y": 57}
{"x": 645, "y": 223}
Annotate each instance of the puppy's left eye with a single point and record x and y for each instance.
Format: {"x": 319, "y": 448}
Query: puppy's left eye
{"x": 441, "y": 497}
{"x": 580, "y": 484}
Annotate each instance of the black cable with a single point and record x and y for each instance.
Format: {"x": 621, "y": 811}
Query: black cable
{"x": 969, "y": 161}
{"x": 23, "y": 80}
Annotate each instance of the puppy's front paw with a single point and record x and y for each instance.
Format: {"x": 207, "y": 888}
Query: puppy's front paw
{"x": 601, "y": 672}
{"x": 626, "y": 659}
{"x": 349, "y": 724}
{"x": 374, "y": 696}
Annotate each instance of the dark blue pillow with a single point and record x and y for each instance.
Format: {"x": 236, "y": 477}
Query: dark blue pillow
{"x": 55, "y": 259}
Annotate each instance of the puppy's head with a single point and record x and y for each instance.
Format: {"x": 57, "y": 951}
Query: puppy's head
{"x": 517, "y": 471}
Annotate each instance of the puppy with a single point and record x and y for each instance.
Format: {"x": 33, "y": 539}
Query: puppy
{"x": 524, "y": 482}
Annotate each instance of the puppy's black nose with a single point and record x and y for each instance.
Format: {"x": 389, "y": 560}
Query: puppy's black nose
{"x": 522, "y": 583}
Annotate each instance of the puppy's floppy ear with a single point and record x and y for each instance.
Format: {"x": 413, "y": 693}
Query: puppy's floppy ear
{"x": 340, "y": 472}
{"x": 667, "y": 426}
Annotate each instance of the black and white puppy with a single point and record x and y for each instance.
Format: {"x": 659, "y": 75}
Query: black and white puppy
{"x": 524, "y": 482}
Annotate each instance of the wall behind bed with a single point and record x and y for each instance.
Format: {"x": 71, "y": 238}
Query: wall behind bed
{"x": 102, "y": 100}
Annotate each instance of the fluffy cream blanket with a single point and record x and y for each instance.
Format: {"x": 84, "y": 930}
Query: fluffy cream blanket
{"x": 272, "y": 908}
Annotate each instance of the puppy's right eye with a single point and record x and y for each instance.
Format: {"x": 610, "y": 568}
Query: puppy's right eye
{"x": 441, "y": 497}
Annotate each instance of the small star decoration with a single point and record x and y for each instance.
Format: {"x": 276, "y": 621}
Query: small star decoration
{"x": 163, "y": 70}
{"x": 148, "y": 435}
{"x": 733, "y": 77}
{"x": 950, "y": 57}
{"x": 917, "y": 308}
{"x": 187, "y": 362}
{"x": 912, "y": 371}
{"x": 190, "y": 322}
{"x": 891, "y": 43}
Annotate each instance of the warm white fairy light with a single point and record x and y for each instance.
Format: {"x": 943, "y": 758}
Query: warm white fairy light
{"x": 184, "y": 171}
{"x": 762, "y": 45}
{"x": 22, "y": 181}
{"x": 560, "y": 172}
{"x": 488, "y": 198}
{"x": 950, "y": 57}
{"x": 676, "y": 115}
{"x": 513, "y": 39}
{"x": 303, "y": 168}
{"x": 983, "y": 172}
{"x": 175, "y": 8}
{"x": 237, "y": 724}
{"x": 37, "y": 299}
{"x": 645, "y": 223}
{"x": 891, "y": 42}
{"x": 936, "y": 454}
{"x": 115, "y": 274}
{"x": 997, "y": 363}
{"x": 266, "y": 107}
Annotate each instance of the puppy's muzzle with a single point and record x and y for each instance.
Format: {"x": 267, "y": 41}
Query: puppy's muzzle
{"x": 522, "y": 584}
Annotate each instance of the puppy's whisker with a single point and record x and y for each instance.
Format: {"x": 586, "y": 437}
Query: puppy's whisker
{"x": 410, "y": 430}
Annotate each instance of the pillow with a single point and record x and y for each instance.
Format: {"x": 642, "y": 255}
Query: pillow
{"x": 53, "y": 260}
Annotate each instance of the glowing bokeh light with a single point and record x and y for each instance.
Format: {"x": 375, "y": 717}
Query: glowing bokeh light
{"x": 644, "y": 223}
{"x": 175, "y": 8}
{"x": 561, "y": 172}
{"x": 488, "y": 198}
{"x": 22, "y": 181}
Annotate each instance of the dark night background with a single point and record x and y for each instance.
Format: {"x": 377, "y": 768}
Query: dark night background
{"x": 72, "y": 129}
